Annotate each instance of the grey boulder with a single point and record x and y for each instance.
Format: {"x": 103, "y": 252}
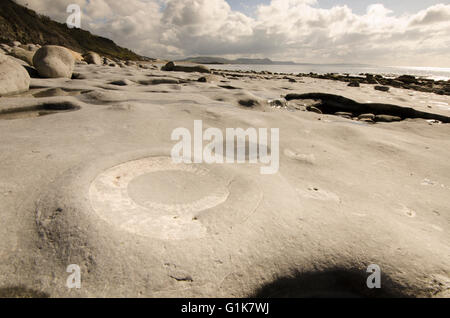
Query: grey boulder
{"x": 5, "y": 47}
{"x": 22, "y": 54}
{"x": 92, "y": 58}
{"x": 13, "y": 77}
{"x": 171, "y": 67}
{"x": 53, "y": 61}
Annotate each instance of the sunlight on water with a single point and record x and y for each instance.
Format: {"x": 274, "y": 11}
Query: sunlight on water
{"x": 352, "y": 69}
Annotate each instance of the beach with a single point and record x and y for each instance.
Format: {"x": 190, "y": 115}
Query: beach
{"x": 87, "y": 178}
{"x": 435, "y": 73}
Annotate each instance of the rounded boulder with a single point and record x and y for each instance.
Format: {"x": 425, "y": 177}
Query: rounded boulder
{"x": 22, "y": 54}
{"x": 53, "y": 61}
{"x": 92, "y": 58}
{"x": 13, "y": 77}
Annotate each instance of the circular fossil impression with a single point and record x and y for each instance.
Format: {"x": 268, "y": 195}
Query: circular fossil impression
{"x": 157, "y": 198}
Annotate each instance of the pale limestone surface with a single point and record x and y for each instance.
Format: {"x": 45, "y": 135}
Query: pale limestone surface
{"x": 93, "y": 185}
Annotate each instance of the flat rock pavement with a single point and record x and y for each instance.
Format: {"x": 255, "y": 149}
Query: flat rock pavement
{"x": 86, "y": 178}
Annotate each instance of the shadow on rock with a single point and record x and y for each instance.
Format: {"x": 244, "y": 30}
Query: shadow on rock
{"x": 339, "y": 283}
{"x": 21, "y": 292}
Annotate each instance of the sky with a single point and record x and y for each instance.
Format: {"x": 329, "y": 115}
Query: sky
{"x": 358, "y": 6}
{"x": 378, "y": 32}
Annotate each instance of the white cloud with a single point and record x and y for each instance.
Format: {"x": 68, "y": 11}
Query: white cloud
{"x": 434, "y": 15}
{"x": 284, "y": 29}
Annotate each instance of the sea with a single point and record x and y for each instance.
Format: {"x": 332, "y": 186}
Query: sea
{"x": 434, "y": 73}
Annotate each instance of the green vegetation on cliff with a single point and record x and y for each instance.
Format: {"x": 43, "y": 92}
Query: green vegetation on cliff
{"x": 18, "y": 23}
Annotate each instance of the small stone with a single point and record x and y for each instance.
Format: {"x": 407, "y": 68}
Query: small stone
{"x": 407, "y": 79}
{"x": 169, "y": 67}
{"x": 344, "y": 114}
{"x": 207, "y": 79}
{"x": 23, "y": 55}
{"x": 5, "y": 47}
{"x": 31, "y": 47}
{"x": 277, "y": 103}
{"x": 396, "y": 83}
{"x": 78, "y": 76}
{"x": 366, "y": 116}
{"x": 370, "y": 79}
{"x": 313, "y": 109}
{"x": 248, "y": 102}
{"x": 92, "y": 58}
{"x": 387, "y": 118}
{"x": 382, "y": 88}
{"x": 124, "y": 82}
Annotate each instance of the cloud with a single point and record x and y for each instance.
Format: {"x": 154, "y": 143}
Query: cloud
{"x": 283, "y": 29}
{"x": 433, "y": 15}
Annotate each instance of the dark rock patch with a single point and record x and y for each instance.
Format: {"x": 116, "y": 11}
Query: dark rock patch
{"x": 32, "y": 71}
{"x": 78, "y": 76}
{"x": 331, "y": 104}
{"x": 248, "y": 102}
{"x": 21, "y": 292}
{"x": 228, "y": 87}
{"x": 407, "y": 79}
{"x": 56, "y": 92}
{"x": 353, "y": 84}
{"x": 171, "y": 67}
{"x": 336, "y": 283}
{"x": 381, "y": 88}
{"x": 158, "y": 81}
{"x": 37, "y": 110}
{"x": 124, "y": 82}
